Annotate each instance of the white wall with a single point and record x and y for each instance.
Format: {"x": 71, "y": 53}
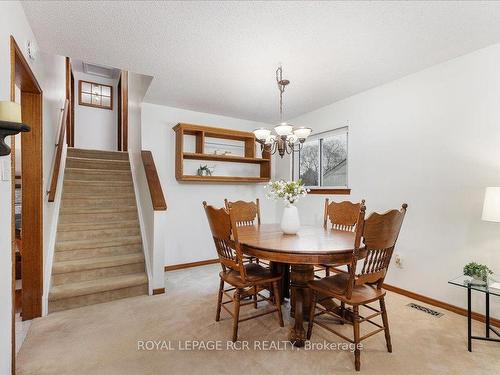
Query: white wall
{"x": 96, "y": 128}
{"x": 49, "y": 71}
{"x": 150, "y": 220}
{"x": 186, "y": 229}
{"x": 53, "y": 82}
{"x": 430, "y": 139}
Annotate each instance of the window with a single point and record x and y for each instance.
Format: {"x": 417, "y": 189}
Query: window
{"x": 95, "y": 95}
{"x": 322, "y": 161}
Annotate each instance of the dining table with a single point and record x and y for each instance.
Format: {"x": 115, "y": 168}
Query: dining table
{"x": 300, "y": 252}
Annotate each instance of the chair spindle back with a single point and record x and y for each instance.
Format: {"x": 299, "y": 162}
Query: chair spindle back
{"x": 245, "y": 212}
{"x": 378, "y": 235}
{"x": 225, "y": 237}
{"x": 343, "y": 215}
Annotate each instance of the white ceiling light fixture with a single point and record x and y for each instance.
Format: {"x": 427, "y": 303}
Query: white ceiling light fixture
{"x": 287, "y": 139}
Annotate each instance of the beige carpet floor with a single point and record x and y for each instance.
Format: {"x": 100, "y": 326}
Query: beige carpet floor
{"x": 103, "y": 339}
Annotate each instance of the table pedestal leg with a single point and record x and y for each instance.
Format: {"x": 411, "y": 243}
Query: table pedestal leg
{"x": 300, "y": 301}
{"x": 284, "y": 285}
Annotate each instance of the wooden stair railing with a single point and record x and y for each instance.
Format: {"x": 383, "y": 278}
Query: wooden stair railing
{"x": 59, "y": 149}
{"x": 157, "y": 198}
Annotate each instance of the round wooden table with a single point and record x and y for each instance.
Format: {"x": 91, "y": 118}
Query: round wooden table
{"x": 309, "y": 247}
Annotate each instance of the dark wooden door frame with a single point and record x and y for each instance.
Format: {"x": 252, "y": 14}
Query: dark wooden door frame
{"x": 72, "y": 109}
{"x": 122, "y": 133}
{"x": 70, "y": 94}
{"x": 119, "y": 116}
{"x": 32, "y": 191}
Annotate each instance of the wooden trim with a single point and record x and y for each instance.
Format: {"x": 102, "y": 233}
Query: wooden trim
{"x": 69, "y": 97}
{"x": 443, "y": 305}
{"x": 124, "y": 115}
{"x": 32, "y": 207}
{"x": 211, "y": 131}
{"x": 59, "y": 149}
{"x": 155, "y": 190}
{"x": 80, "y": 102}
{"x": 333, "y": 191}
{"x": 192, "y": 264}
{"x": 72, "y": 110}
{"x": 158, "y": 291}
{"x": 119, "y": 114}
{"x": 225, "y": 158}
{"x": 223, "y": 179}
{"x": 13, "y": 46}
{"x": 32, "y": 192}
{"x": 27, "y": 81}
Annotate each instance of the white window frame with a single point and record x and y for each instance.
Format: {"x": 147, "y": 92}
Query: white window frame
{"x": 320, "y": 137}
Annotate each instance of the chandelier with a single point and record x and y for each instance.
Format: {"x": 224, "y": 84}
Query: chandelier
{"x": 288, "y": 138}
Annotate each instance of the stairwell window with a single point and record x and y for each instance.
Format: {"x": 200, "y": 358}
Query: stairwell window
{"x": 322, "y": 162}
{"x": 95, "y": 95}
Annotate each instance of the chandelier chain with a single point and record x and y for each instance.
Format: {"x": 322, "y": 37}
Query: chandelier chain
{"x": 281, "y": 87}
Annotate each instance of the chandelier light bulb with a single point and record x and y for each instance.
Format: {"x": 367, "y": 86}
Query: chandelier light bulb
{"x": 302, "y": 132}
{"x": 283, "y": 129}
{"x": 262, "y": 133}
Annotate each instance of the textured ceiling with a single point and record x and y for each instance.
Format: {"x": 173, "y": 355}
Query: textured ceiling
{"x": 220, "y": 57}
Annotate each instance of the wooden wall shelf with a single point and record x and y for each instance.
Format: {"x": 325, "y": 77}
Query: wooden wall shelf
{"x": 201, "y": 132}
{"x": 227, "y": 158}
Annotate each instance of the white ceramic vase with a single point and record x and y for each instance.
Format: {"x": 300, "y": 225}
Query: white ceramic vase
{"x": 290, "y": 223}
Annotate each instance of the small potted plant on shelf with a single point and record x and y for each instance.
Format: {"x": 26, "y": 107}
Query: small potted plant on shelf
{"x": 478, "y": 272}
{"x": 204, "y": 170}
{"x": 289, "y": 192}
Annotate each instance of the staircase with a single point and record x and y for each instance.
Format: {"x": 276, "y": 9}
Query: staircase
{"x": 98, "y": 253}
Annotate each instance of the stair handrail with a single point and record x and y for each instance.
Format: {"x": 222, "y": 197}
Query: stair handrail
{"x": 155, "y": 190}
{"x": 59, "y": 149}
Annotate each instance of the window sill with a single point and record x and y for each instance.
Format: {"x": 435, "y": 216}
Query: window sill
{"x": 336, "y": 191}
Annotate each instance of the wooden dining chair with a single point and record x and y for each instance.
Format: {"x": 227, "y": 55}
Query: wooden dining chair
{"x": 248, "y": 214}
{"x": 374, "y": 244}
{"x": 340, "y": 216}
{"x": 245, "y": 279}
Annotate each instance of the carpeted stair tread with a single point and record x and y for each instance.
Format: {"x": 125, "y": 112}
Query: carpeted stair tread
{"x": 85, "y": 183}
{"x": 98, "y": 164}
{"x": 89, "y": 210}
{"x": 93, "y": 244}
{"x": 97, "y": 154}
{"x": 74, "y": 254}
{"x": 99, "y": 234}
{"x": 97, "y": 203}
{"x": 79, "y": 227}
{"x": 107, "y": 195}
{"x": 59, "y": 292}
{"x": 96, "y": 174}
{"x": 99, "y": 262}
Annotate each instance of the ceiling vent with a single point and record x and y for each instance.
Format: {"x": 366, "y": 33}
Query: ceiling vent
{"x": 100, "y": 71}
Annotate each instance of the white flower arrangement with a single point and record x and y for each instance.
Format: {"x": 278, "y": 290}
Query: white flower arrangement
{"x": 288, "y": 191}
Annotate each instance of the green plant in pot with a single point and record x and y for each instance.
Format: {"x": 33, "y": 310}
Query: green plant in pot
{"x": 478, "y": 272}
{"x": 204, "y": 170}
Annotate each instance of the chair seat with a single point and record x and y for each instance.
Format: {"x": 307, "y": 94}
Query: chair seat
{"x": 256, "y": 274}
{"x": 335, "y": 286}
{"x": 335, "y": 267}
{"x": 333, "y": 264}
